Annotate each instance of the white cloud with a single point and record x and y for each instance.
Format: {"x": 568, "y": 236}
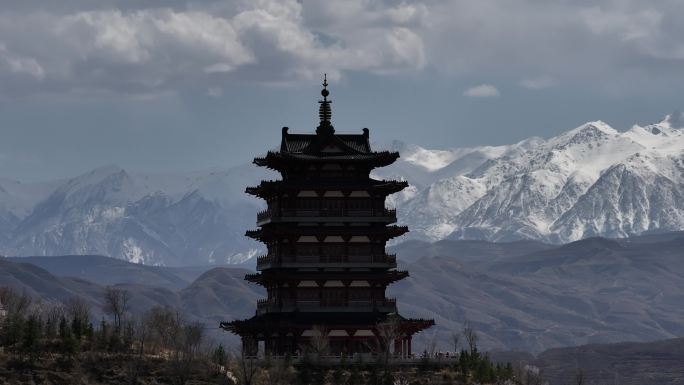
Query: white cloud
{"x": 148, "y": 50}
{"x": 142, "y": 48}
{"x": 215, "y": 92}
{"x": 537, "y": 83}
{"x": 482, "y": 91}
{"x": 20, "y": 65}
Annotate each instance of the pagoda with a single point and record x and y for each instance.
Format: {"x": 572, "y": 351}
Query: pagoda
{"x": 325, "y": 228}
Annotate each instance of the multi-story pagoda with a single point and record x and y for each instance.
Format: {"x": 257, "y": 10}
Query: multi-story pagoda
{"x": 326, "y": 225}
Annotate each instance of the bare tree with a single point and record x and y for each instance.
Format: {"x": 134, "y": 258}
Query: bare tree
{"x": 319, "y": 342}
{"x": 247, "y": 367}
{"x": 579, "y": 377}
{"x": 192, "y": 337}
{"x": 455, "y": 337}
{"x": 529, "y": 374}
{"x": 13, "y": 303}
{"x": 116, "y": 304}
{"x": 431, "y": 343}
{"x": 164, "y": 325}
{"x": 470, "y": 336}
{"x": 79, "y": 313}
{"x": 52, "y": 314}
{"x": 388, "y": 332}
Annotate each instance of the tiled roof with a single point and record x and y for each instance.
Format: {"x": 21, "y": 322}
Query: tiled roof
{"x": 309, "y": 143}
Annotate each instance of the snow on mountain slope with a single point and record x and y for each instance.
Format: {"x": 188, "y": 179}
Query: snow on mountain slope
{"x": 17, "y": 200}
{"x": 438, "y": 190}
{"x": 543, "y": 193}
{"x": 192, "y": 218}
{"x": 643, "y": 193}
{"x": 422, "y": 167}
{"x": 592, "y": 180}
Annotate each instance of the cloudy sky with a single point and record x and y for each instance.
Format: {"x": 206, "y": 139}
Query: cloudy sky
{"x": 171, "y": 85}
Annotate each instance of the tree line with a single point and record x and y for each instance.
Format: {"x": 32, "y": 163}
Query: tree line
{"x": 161, "y": 346}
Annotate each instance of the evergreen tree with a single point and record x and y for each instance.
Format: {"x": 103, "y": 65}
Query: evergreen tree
{"x": 219, "y": 356}
{"x": 31, "y": 338}
{"x": 103, "y": 335}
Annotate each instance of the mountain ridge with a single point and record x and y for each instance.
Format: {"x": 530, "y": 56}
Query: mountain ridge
{"x": 519, "y": 295}
{"x": 590, "y": 181}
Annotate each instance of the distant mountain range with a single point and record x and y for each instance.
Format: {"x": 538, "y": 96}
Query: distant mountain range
{"x": 522, "y": 295}
{"x": 182, "y": 219}
{"x": 589, "y": 181}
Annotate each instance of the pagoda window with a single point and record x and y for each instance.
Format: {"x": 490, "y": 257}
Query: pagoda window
{"x": 359, "y": 239}
{"x": 333, "y": 250}
{"x": 359, "y": 293}
{"x": 359, "y": 250}
{"x": 306, "y": 204}
{"x": 360, "y": 207}
{"x": 359, "y": 194}
{"x": 333, "y": 283}
{"x": 331, "y": 166}
{"x": 364, "y": 333}
{"x": 307, "y": 284}
{"x": 307, "y": 293}
{"x": 333, "y": 194}
{"x": 307, "y": 250}
{"x": 307, "y": 239}
{"x": 338, "y": 333}
{"x": 359, "y": 297}
{"x": 307, "y": 194}
{"x": 332, "y": 204}
{"x": 333, "y": 297}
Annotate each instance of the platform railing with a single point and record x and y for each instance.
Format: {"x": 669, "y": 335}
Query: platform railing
{"x": 387, "y": 259}
{"x": 268, "y": 305}
{"x": 291, "y": 213}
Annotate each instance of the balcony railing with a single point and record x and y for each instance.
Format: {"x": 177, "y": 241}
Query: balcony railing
{"x": 271, "y": 305}
{"x": 266, "y": 260}
{"x": 290, "y": 213}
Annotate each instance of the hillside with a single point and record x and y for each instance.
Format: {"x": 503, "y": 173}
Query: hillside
{"x": 626, "y": 363}
{"x": 522, "y": 295}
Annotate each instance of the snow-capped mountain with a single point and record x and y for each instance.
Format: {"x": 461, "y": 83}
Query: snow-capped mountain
{"x": 592, "y": 180}
{"x": 192, "y": 218}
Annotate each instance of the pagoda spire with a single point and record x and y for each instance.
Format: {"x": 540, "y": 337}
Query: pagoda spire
{"x": 324, "y": 111}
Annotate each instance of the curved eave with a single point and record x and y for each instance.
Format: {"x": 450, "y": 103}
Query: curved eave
{"x": 270, "y": 276}
{"x": 265, "y": 189}
{"x": 391, "y": 187}
{"x": 280, "y": 160}
{"x": 415, "y": 325}
{"x": 257, "y": 278}
{"x": 239, "y": 327}
{"x": 396, "y": 231}
{"x": 254, "y": 234}
{"x": 397, "y": 275}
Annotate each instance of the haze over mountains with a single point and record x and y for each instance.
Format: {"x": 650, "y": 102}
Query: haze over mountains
{"x": 589, "y": 181}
